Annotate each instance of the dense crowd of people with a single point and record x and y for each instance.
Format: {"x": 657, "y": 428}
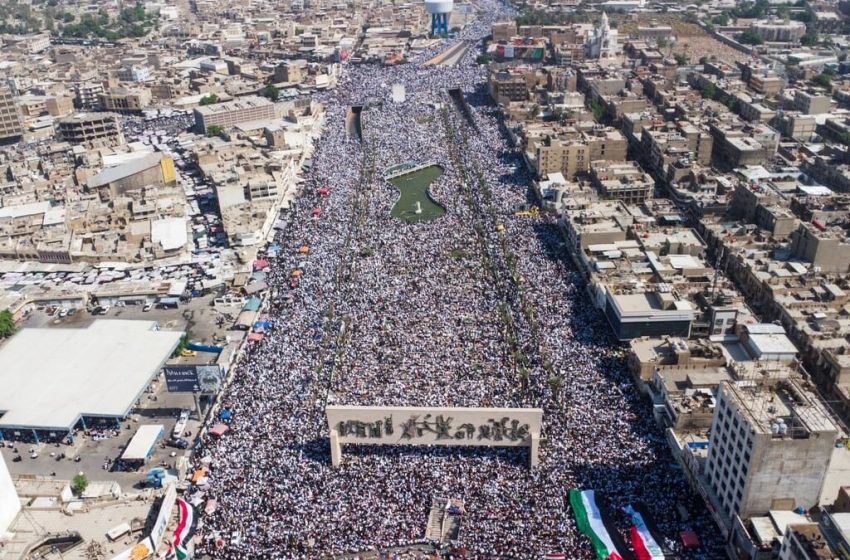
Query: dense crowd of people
{"x": 430, "y": 314}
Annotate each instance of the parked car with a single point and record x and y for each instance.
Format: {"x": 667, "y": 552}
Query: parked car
{"x": 179, "y": 443}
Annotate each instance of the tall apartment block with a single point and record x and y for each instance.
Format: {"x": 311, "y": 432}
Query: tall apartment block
{"x": 11, "y": 125}
{"x": 770, "y": 448}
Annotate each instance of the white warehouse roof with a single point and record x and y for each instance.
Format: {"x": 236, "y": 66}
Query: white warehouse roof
{"x": 53, "y": 376}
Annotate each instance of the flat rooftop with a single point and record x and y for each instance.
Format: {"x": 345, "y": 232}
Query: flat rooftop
{"x": 52, "y": 377}
{"x": 802, "y": 410}
{"x": 236, "y": 105}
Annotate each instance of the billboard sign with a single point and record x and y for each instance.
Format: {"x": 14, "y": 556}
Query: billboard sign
{"x": 193, "y": 379}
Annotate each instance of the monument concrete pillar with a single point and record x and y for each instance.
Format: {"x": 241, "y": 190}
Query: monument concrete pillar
{"x": 336, "y": 449}
{"x": 534, "y": 449}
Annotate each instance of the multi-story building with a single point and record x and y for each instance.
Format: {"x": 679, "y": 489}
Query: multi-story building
{"x": 810, "y": 103}
{"x": 622, "y": 180}
{"x": 571, "y": 154}
{"x": 827, "y": 248}
{"x": 766, "y": 85}
{"x": 506, "y": 86}
{"x": 806, "y": 541}
{"x": 125, "y": 100}
{"x": 780, "y": 31}
{"x": 770, "y": 448}
{"x": 87, "y": 95}
{"x": 10, "y": 117}
{"x": 290, "y": 72}
{"x": 91, "y": 129}
{"x": 230, "y": 114}
{"x": 795, "y": 125}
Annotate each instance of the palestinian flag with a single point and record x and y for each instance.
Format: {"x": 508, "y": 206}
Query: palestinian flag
{"x": 589, "y": 521}
{"x": 643, "y": 543}
{"x": 183, "y": 532}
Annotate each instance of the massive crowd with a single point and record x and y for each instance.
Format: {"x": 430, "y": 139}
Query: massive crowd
{"x": 393, "y": 313}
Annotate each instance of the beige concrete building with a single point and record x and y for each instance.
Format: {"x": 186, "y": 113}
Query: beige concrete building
{"x": 623, "y": 180}
{"x": 571, "y": 153}
{"x": 770, "y": 448}
{"x": 810, "y": 103}
{"x": 10, "y": 117}
{"x": 91, "y": 129}
{"x": 125, "y": 100}
{"x": 230, "y": 114}
{"x": 828, "y": 249}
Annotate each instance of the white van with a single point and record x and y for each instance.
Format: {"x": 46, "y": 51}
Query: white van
{"x": 180, "y": 426}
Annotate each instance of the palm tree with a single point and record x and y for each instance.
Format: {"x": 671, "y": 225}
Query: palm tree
{"x": 555, "y": 384}
{"x": 522, "y": 375}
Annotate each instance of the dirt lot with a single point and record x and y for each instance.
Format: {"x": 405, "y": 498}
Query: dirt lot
{"x": 691, "y": 39}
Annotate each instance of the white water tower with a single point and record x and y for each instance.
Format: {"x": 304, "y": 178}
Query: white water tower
{"x": 439, "y": 11}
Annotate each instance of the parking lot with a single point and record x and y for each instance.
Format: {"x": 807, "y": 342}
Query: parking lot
{"x": 206, "y": 324}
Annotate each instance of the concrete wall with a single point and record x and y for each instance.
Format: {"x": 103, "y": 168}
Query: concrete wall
{"x": 10, "y": 505}
{"x": 786, "y": 468}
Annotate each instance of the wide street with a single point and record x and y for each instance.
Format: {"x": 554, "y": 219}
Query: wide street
{"x": 479, "y": 307}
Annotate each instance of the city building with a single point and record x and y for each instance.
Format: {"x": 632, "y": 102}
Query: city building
{"x": 602, "y": 41}
{"x": 87, "y": 95}
{"x": 780, "y": 31}
{"x": 771, "y": 445}
{"x": 91, "y": 129}
{"x": 125, "y": 100}
{"x": 11, "y": 125}
{"x": 231, "y": 113}
{"x": 76, "y": 368}
{"x": 810, "y": 103}
{"x": 624, "y": 181}
{"x": 507, "y": 86}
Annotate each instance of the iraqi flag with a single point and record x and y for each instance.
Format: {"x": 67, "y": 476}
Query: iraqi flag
{"x": 589, "y": 522}
{"x": 643, "y": 543}
{"x": 184, "y": 531}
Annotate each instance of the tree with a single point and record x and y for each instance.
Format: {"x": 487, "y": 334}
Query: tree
{"x": 722, "y": 20}
{"x": 483, "y": 59}
{"x": 662, "y": 42}
{"x": 810, "y": 38}
{"x": 750, "y": 37}
{"x": 709, "y": 91}
{"x": 271, "y": 92}
{"x": 214, "y": 130}
{"x": 556, "y": 382}
{"x": 79, "y": 484}
{"x": 598, "y": 108}
{"x": 209, "y": 99}
{"x": 522, "y": 374}
{"x": 824, "y": 80}
{"x": 681, "y": 59}
{"x": 7, "y": 323}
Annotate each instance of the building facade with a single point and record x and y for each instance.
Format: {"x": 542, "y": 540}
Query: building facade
{"x": 10, "y": 117}
{"x": 770, "y": 448}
